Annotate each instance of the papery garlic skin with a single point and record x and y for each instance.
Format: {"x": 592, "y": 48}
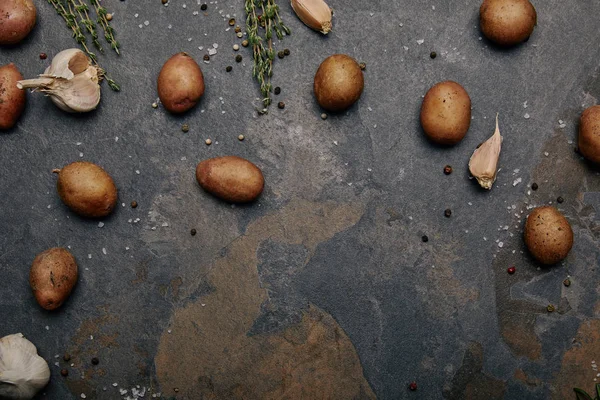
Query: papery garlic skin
{"x": 483, "y": 164}
{"x": 71, "y": 81}
{"x": 22, "y": 372}
{"x": 315, "y": 14}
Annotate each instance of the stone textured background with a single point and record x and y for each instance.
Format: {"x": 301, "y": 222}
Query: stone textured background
{"x": 323, "y": 289}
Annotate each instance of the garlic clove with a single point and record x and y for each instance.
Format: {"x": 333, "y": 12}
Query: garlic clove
{"x": 67, "y": 64}
{"x": 71, "y": 81}
{"x": 484, "y": 161}
{"x": 22, "y": 372}
{"x": 316, "y": 14}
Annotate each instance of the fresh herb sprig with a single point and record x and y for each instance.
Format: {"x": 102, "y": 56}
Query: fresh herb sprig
{"x": 263, "y": 14}
{"x": 76, "y": 14}
{"x": 582, "y": 395}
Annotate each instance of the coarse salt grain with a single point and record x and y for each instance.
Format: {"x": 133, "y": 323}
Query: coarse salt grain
{"x": 103, "y": 251}
{"x": 100, "y": 224}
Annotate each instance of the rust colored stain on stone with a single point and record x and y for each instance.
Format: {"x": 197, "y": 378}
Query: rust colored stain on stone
{"x": 209, "y": 354}
{"x": 470, "y": 382}
{"x": 576, "y": 367}
{"x": 518, "y": 332}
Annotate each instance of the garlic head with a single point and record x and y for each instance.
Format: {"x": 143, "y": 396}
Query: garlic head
{"x": 484, "y": 161}
{"x": 71, "y": 81}
{"x": 315, "y": 14}
{"x": 22, "y": 372}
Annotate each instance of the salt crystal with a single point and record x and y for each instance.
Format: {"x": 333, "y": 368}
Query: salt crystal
{"x": 83, "y": 396}
{"x": 165, "y": 224}
{"x": 89, "y": 256}
{"x": 126, "y": 248}
{"x": 212, "y": 52}
{"x": 146, "y": 23}
{"x": 215, "y": 45}
{"x": 546, "y": 153}
{"x": 420, "y": 41}
{"x": 170, "y": 26}
{"x": 335, "y": 142}
{"x": 525, "y": 105}
{"x": 47, "y": 328}
{"x": 189, "y": 39}
{"x": 116, "y": 138}
{"x": 80, "y": 154}
{"x": 501, "y": 244}
{"x": 517, "y": 181}
{"x": 141, "y": 26}
{"x": 136, "y": 15}
{"x": 184, "y": 6}
{"x": 405, "y": 47}
{"x": 526, "y": 116}
{"x": 100, "y": 224}
{"x": 137, "y": 171}
{"x": 484, "y": 238}
{"x": 103, "y": 251}
{"x": 115, "y": 384}
{"x": 153, "y": 228}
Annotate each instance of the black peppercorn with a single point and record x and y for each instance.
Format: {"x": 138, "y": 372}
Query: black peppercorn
{"x": 64, "y": 372}
{"x": 567, "y": 282}
{"x": 203, "y": 7}
{"x": 281, "y": 54}
{"x": 286, "y": 52}
{"x": 362, "y": 66}
{"x": 534, "y": 186}
{"x": 448, "y": 213}
{"x": 95, "y": 361}
{"x": 43, "y": 56}
{"x": 228, "y": 68}
{"x": 206, "y": 57}
{"x": 433, "y": 55}
{"x": 238, "y": 58}
{"x": 133, "y": 205}
{"x": 425, "y": 239}
{"x": 277, "y": 90}
{"x": 447, "y": 170}
{"x": 560, "y": 200}
{"x": 281, "y": 105}
{"x": 193, "y": 232}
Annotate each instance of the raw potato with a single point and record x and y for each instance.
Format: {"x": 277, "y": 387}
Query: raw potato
{"x": 12, "y": 99}
{"x": 339, "y": 82}
{"x": 548, "y": 235}
{"x": 589, "y": 134}
{"x": 231, "y": 178}
{"x": 507, "y": 22}
{"x": 17, "y": 19}
{"x": 180, "y": 83}
{"x": 446, "y": 113}
{"x": 52, "y": 277}
{"x": 87, "y": 189}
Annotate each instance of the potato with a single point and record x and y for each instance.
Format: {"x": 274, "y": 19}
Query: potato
{"x": 507, "y": 22}
{"x": 339, "y": 82}
{"x": 230, "y": 178}
{"x": 12, "y": 99}
{"x": 52, "y": 277}
{"x": 17, "y": 19}
{"x": 446, "y": 113}
{"x": 86, "y": 189}
{"x": 589, "y": 134}
{"x": 548, "y": 235}
{"x": 180, "y": 83}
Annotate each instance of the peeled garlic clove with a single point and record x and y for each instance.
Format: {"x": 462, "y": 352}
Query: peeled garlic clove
{"x": 71, "y": 81}
{"x": 316, "y": 14}
{"x": 22, "y": 372}
{"x": 484, "y": 161}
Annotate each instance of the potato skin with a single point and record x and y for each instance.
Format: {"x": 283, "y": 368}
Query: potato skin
{"x": 12, "y": 99}
{"x": 87, "y": 189}
{"x": 17, "y": 19}
{"x": 180, "y": 83}
{"x": 548, "y": 235}
{"x": 589, "y": 134}
{"x": 233, "y": 179}
{"x": 446, "y": 113}
{"x": 507, "y": 22}
{"x": 52, "y": 277}
{"x": 339, "y": 82}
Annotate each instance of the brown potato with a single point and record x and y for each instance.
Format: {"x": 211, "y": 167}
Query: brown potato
{"x": 52, "y": 277}
{"x": 548, "y": 235}
{"x": 339, "y": 82}
{"x": 12, "y": 99}
{"x": 589, "y": 134}
{"x": 17, "y": 19}
{"x": 86, "y": 189}
{"x": 446, "y": 113}
{"x": 231, "y": 178}
{"x": 507, "y": 22}
{"x": 180, "y": 83}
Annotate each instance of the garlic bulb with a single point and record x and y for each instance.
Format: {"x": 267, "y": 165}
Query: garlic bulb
{"x": 71, "y": 81}
{"x": 316, "y": 14}
{"x": 22, "y": 372}
{"x": 484, "y": 161}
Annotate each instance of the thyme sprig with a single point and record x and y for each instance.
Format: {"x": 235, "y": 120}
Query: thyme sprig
{"x": 76, "y": 14}
{"x": 263, "y": 14}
